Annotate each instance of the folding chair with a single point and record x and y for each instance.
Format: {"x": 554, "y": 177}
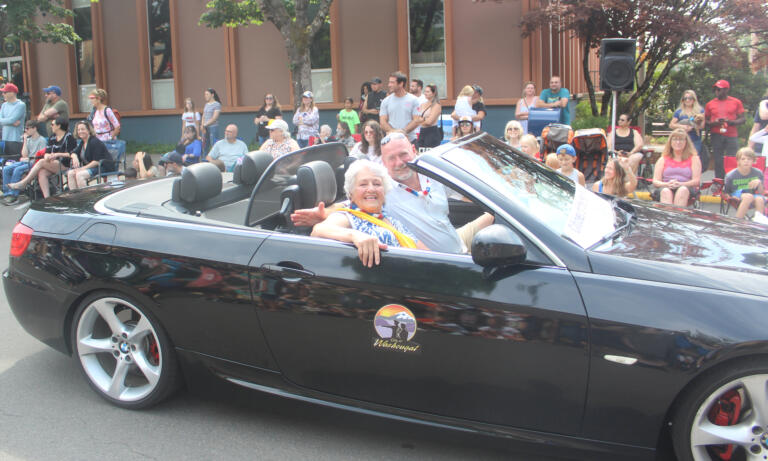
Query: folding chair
{"x": 717, "y": 185}
{"x": 116, "y": 149}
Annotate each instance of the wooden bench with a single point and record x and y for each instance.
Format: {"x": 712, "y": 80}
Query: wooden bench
{"x": 660, "y": 129}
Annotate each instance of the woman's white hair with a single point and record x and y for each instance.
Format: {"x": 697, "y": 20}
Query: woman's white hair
{"x": 358, "y": 165}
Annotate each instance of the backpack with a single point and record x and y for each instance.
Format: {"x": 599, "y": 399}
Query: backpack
{"x": 114, "y": 111}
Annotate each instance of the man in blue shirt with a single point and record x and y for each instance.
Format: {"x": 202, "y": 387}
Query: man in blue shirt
{"x": 227, "y": 151}
{"x": 556, "y": 97}
{"x": 12, "y": 114}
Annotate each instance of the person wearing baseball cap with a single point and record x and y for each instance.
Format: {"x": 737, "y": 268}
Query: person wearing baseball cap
{"x": 566, "y": 155}
{"x": 372, "y": 104}
{"x": 54, "y": 107}
{"x": 279, "y": 142}
{"x": 723, "y": 114}
{"x": 172, "y": 162}
{"x": 12, "y": 114}
{"x": 307, "y": 119}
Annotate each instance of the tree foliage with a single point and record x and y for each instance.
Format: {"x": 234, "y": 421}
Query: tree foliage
{"x": 297, "y": 20}
{"x": 699, "y": 76}
{"x": 668, "y": 33}
{"x": 18, "y": 21}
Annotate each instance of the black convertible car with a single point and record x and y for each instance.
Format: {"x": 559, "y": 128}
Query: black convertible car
{"x": 578, "y": 320}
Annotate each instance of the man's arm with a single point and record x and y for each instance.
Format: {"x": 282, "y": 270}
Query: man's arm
{"x": 24, "y": 147}
{"x": 312, "y": 216}
{"x": 16, "y": 115}
{"x": 563, "y": 102}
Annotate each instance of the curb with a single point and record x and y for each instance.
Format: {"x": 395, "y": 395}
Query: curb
{"x": 644, "y": 195}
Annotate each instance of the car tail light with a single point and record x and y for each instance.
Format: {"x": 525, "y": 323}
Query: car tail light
{"x": 20, "y": 239}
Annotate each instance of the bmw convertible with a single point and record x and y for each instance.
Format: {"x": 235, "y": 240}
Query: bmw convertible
{"x": 576, "y": 320}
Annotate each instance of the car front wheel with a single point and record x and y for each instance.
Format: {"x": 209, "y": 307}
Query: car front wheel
{"x": 725, "y": 417}
{"x": 124, "y": 354}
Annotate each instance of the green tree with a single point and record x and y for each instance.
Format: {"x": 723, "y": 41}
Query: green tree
{"x": 293, "y": 18}
{"x": 667, "y": 33}
{"x": 18, "y": 21}
{"x": 699, "y": 75}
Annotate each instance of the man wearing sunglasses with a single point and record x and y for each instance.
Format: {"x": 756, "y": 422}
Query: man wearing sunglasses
{"x": 417, "y": 201}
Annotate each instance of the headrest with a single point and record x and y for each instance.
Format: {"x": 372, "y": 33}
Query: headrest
{"x": 340, "y": 170}
{"x": 317, "y": 183}
{"x": 252, "y": 167}
{"x": 199, "y": 182}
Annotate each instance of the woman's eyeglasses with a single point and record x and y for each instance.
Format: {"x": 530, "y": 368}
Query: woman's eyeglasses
{"x": 687, "y": 98}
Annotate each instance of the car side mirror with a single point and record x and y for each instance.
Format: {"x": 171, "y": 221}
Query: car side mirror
{"x": 497, "y": 245}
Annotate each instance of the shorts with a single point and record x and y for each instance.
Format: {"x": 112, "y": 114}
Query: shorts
{"x": 656, "y": 194}
{"x": 93, "y": 171}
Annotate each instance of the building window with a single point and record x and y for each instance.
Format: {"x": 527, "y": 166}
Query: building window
{"x": 426, "y": 33}
{"x": 320, "y": 57}
{"x": 160, "y": 54}
{"x": 86, "y": 79}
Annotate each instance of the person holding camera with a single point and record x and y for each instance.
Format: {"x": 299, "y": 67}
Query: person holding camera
{"x": 689, "y": 117}
{"x": 723, "y": 114}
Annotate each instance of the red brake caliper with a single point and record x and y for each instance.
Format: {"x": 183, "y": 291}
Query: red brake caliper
{"x": 154, "y": 352}
{"x": 725, "y": 412}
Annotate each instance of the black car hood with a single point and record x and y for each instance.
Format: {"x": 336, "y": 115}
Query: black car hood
{"x": 690, "y": 247}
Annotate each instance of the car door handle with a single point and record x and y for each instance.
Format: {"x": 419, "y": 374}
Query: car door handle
{"x": 286, "y": 272}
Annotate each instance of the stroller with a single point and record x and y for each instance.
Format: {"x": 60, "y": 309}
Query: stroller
{"x": 591, "y": 148}
{"x": 553, "y": 136}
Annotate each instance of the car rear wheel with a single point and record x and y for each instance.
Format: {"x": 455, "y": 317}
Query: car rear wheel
{"x": 125, "y": 355}
{"x": 725, "y": 417}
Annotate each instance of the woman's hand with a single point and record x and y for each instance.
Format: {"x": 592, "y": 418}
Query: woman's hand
{"x": 75, "y": 161}
{"x": 368, "y": 248}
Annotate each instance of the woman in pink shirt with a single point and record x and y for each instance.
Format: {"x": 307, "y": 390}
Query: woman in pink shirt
{"x": 677, "y": 173}
{"x": 102, "y": 117}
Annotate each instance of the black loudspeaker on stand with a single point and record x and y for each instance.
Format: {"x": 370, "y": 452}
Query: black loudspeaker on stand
{"x": 617, "y": 64}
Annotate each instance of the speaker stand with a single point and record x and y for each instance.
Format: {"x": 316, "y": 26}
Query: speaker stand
{"x": 613, "y": 124}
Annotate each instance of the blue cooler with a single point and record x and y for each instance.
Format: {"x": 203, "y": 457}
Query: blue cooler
{"x": 540, "y": 118}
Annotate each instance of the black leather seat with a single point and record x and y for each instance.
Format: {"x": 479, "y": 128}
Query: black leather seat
{"x": 197, "y": 184}
{"x": 315, "y": 183}
{"x": 196, "y": 190}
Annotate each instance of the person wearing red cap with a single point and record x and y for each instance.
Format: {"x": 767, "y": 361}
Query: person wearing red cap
{"x": 12, "y": 114}
{"x": 722, "y": 115}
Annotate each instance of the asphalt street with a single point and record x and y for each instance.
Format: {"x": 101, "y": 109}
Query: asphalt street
{"x": 48, "y": 411}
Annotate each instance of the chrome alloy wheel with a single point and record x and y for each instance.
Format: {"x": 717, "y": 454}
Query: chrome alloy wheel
{"x": 118, "y": 349}
{"x": 747, "y": 435}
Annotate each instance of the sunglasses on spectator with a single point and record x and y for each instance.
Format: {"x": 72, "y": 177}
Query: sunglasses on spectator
{"x": 688, "y": 98}
{"x": 269, "y": 97}
{"x": 514, "y": 128}
{"x": 392, "y": 136}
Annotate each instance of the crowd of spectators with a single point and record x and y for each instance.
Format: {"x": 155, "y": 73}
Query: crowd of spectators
{"x": 407, "y": 106}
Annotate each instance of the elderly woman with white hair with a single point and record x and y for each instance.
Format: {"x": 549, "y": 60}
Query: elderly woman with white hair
{"x": 279, "y": 142}
{"x": 364, "y": 223}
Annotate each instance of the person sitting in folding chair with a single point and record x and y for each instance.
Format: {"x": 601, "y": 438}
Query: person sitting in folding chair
{"x": 56, "y": 159}
{"x": 745, "y": 184}
{"x": 13, "y": 172}
{"x": 89, "y": 158}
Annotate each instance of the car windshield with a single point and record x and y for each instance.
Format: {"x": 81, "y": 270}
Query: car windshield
{"x": 568, "y": 210}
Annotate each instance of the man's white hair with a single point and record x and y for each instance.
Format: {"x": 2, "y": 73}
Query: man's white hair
{"x": 358, "y": 165}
